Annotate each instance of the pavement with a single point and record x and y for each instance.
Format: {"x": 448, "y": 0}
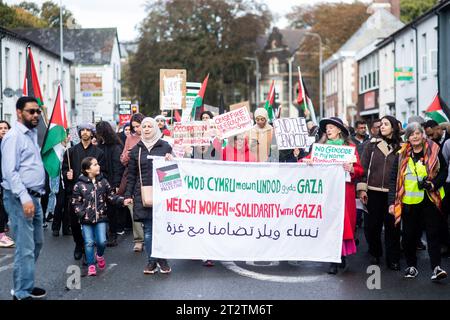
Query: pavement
{"x": 123, "y": 278}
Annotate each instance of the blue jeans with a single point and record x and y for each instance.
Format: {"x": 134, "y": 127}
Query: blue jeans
{"x": 94, "y": 234}
{"x": 148, "y": 227}
{"x": 29, "y": 237}
{"x": 54, "y": 189}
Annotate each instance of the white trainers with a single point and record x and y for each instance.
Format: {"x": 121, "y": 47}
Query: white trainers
{"x": 411, "y": 272}
{"x": 438, "y": 274}
{"x": 6, "y": 242}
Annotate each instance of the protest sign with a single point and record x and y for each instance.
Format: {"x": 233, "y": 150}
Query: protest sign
{"x": 74, "y": 138}
{"x": 233, "y": 122}
{"x": 247, "y": 212}
{"x": 172, "y": 89}
{"x": 194, "y": 133}
{"x": 240, "y": 105}
{"x": 327, "y": 153}
{"x": 291, "y": 133}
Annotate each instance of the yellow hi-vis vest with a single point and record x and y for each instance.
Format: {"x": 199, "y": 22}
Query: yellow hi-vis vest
{"x": 413, "y": 195}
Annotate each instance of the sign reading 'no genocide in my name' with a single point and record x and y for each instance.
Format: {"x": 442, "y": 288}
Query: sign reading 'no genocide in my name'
{"x": 325, "y": 153}
{"x": 247, "y": 212}
{"x": 191, "y": 133}
{"x": 172, "y": 89}
{"x": 233, "y": 122}
{"x": 291, "y": 133}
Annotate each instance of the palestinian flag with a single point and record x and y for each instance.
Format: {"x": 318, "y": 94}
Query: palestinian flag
{"x": 52, "y": 150}
{"x": 438, "y": 110}
{"x": 198, "y": 103}
{"x": 31, "y": 88}
{"x": 169, "y": 173}
{"x": 303, "y": 98}
{"x": 270, "y": 101}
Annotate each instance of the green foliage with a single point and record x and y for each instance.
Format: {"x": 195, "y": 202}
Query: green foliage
{"x": 411, "y": 9}
{"x": 201, "y": 36}
{"x": 30, "y": 15}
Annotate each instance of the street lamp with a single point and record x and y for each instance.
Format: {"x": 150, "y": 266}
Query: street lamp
{"x": 255, "y": 59}
{"x": 291, "y": 59}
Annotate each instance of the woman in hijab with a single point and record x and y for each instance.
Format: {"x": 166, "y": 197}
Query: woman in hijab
{"x": 260, "y": 137}
{"x": 151, "y": 144}
{"x": 161, "y": 121}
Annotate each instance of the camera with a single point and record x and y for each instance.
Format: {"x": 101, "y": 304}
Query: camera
{"x": 425, "y": 184}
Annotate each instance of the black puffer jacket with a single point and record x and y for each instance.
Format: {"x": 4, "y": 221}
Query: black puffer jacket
{"x": 90, "y": 199}
{"x": 161, "y": 148}
{"x": 114, "y": 169}
{"x": 76, "y": 154}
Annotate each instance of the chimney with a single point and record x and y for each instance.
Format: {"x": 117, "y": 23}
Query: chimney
{"x": 393, "y": 6}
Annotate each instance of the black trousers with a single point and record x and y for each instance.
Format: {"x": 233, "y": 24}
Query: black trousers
{"x": 113, "y": 220}
{"x": 74, "y": 222}
{"x": 61, "y": 214}
{"x": 377, "y": 216}
{"x": 413, "y": 216}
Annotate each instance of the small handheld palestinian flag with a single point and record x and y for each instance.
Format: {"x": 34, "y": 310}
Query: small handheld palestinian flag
{"x": 53, "y": 150}
{"x": 270, "y": 102}
{"x": 198, "y": 103}
{"x": 438, "y": 110}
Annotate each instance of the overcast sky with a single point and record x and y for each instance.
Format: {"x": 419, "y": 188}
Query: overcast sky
{"x": 126, "y": 14}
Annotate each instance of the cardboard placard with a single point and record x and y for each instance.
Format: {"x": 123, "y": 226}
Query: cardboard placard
{"x": 233, "y": 122}
{"x": 291, "y": 133}
{"x": 240, "y": 105}
{"x": 193, "y": 133}
{"x": 172, "y": 89}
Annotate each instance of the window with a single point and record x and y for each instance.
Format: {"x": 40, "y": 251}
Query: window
{"x": 434, "y": 60}
{"x": 21, "y": 73}
{"x": 273, "y": 66}
{"x": 369, "y": 73}
{"x": 7, "y": 66}
{"x": 424, "y": 51}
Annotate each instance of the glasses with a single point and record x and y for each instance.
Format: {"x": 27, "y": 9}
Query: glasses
{"x": 33, "y": 111}
{"x": 160, "y": 120}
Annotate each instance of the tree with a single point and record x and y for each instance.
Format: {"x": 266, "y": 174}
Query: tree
{"x": 411, "y": 9}
{"x": 202, "y": 36}
{"x": 31, "y": 7}
{"x": 50, "y": 14}
{"x": 335, "y": 23}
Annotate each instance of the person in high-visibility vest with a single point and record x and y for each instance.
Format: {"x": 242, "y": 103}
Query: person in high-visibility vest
{"x": 415, "y": 197}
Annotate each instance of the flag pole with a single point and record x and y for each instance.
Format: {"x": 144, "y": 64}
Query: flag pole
{"x": 61, "y": 44}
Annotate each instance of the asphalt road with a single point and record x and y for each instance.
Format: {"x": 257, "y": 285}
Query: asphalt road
{"x": 123, "y": 279}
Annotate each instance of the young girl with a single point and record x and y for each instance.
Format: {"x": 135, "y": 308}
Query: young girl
{"x": 90, "y": 195}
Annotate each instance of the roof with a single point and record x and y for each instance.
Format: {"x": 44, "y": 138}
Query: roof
{"x": 32, "y": 43}
{"x": 291, "y": 38}
{"x": 414, "y": 23}
{"x": 84, "y": 46}
{"x": 380, "y": 23}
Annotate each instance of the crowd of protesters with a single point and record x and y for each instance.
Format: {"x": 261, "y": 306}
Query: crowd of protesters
{"x": 397, "y": 183}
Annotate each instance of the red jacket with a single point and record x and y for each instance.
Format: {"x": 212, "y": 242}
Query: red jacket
{"x": 231, "y": 153}
{"x": 350, "y": 198}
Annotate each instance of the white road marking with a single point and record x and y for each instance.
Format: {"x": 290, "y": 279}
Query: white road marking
{"x": 274, "y": 278}
{"x": 6, "y": 257}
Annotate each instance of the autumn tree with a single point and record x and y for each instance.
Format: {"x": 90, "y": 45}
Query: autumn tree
{"x": 201, "y": 36}
{"x": 335, "y": 23}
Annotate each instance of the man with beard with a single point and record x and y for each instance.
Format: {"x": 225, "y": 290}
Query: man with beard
{"x": 71, "y": 170}
{"x": 436, "y": 133}
{"x": 24, "y": 184}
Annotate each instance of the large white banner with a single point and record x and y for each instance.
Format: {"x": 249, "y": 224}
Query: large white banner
{"x": 247, "y": 211}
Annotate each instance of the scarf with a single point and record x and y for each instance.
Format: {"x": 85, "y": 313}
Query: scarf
{"x": 431, "y": 161}
{"x": 156, "y": 133}
{"x": 338, "y": 142}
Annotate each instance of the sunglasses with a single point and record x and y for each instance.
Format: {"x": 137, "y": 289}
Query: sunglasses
{"x": 33, "y": 111}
